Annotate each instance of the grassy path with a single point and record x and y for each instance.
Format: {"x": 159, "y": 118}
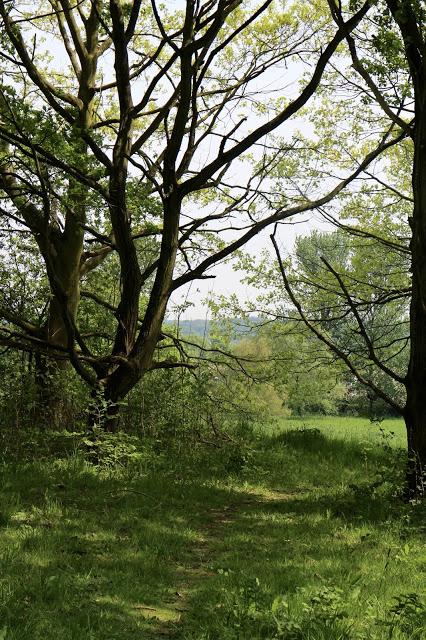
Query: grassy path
{"x": 293, "y": 535}
{"x": 213, "y": 541}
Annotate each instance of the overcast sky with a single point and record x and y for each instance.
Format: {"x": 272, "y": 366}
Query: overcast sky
{"x": 228, "y": 281}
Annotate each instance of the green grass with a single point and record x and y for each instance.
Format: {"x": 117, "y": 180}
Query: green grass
{"x": 296, "y": 532}
{"x": 347, "y": 428}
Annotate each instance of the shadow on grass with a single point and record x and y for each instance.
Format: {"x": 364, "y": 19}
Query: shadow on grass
{"x": 87, "y": 555}
{"x": 317, "y": 512}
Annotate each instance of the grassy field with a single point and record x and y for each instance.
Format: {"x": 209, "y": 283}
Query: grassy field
{"x": 352, "y": 429}
{"x": 295, "y": 531}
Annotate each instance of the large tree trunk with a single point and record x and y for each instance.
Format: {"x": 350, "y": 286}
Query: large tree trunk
{"x": 64, "y": 259}
{"x": 140, "y": 349}
{"x": 415, "y": 413}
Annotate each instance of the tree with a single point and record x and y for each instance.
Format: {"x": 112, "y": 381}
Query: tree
{"x": 123, "y": 138}
{"x": 388, "y": 70}
{"x": 410, "y": 19}
{"x": 347, "y": 293}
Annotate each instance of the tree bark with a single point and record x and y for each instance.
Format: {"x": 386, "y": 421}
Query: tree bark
{"x": 408, "y": 19}
{"x": 415, "y": 413}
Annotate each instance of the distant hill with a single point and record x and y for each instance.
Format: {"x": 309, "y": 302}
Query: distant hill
{"x": 199, "y": 328}
{"x": 202, "y": 327}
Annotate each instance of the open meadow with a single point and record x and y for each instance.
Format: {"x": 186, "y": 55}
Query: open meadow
{"x": 294, "y": 530}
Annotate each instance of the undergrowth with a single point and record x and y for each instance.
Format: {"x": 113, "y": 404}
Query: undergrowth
{"x": 278, "y": 534}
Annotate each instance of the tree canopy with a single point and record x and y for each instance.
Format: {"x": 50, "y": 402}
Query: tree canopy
{"x": 125, "y": 132}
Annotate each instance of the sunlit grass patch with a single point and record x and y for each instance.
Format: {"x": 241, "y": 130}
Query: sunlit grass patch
{"x": 348, "y": 428}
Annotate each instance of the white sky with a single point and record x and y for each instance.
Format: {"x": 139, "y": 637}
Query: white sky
{"x": 227, "y": 280}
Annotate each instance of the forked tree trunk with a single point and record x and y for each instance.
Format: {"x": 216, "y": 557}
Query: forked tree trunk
{"x": 139, "y": 348}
